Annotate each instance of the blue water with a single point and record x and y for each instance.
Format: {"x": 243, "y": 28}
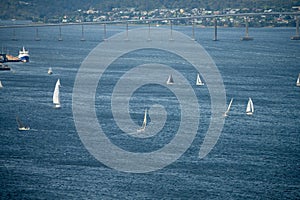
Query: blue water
{"x": 256, "y": 157}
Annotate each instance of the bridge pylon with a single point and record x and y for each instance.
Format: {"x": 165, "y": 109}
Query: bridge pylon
{"x": 216, "y": 30}
{"x": 247, "y": 37}
{"x": 297, "y": 36}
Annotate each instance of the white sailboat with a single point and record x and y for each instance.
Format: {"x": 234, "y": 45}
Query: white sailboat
{"x": 298, "y": 81}
{"x": 50, "y": 71}
{"x": 170, "y": 80}
{"x": 228, "y": 108}
{"x": 1, "y": 86}
{"x": 56, "y": 99}
{"x": 143, "y": 127}
{"x": 198, "y": 81}
{"x": 21, "y": 126}
{"x": 250, "y": 107}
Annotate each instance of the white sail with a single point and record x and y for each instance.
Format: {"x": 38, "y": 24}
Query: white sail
{"x": 198, "y": 81}
{"x": 170, "y": 80}
{"x": 298, "y": 80}
{"x": 50, "y": 71}
{"x": 56, "y": 99}
{"x": 228, "y": 108}
{"x": 1, "y": 86}
{"x": 143, "y": 127}
{"x": 250, "y": 107}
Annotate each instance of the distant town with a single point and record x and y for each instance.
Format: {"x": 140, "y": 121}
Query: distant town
{"x": 141, "y": 16}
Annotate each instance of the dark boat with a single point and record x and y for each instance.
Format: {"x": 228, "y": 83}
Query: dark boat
{"x": 4, "y": 67}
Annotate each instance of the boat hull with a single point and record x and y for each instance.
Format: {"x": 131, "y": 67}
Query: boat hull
{"x": 24, "y": 58}
{"x": 24, "y": 128}
{"x": 140, "y": 130}
{"x": 296, "y": 37}
{"x": 247, "y": 38}
{"x": 57, "y": 106}
{"x": 4, "y": 68}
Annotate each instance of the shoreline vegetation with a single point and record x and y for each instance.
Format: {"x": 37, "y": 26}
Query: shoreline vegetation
{"x": 101, "y": 11}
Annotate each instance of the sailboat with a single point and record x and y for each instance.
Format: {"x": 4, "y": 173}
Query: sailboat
{"x": 198, "y": 81}
{"x": 1, "y": 86}
{"x": 170, "y": 80}
{"x": 298, "y": 81}
{"x": 50, "y": 71}
{"x": 21, "y": 126}
{"x": 56, "y": 99}
{"x": 143, "y": 127}
{"x": 250, "y": 108}
{"x": 227, "y": 111}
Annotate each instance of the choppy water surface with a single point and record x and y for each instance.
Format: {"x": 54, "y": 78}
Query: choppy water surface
{"x": 255, "y": 157}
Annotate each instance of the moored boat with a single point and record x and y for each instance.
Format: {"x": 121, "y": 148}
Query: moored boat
{"x": 24, "y": 55}
{"x": 10, "y": 58}
{"x": 4, "y": 67}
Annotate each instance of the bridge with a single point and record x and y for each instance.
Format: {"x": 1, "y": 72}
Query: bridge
{"x": 153, "y": 20}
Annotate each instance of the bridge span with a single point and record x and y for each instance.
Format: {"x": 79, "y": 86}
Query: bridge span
{"x": 191, "y": 19}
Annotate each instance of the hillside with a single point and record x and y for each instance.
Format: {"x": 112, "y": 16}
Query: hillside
{"x": 32, "y": 9}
